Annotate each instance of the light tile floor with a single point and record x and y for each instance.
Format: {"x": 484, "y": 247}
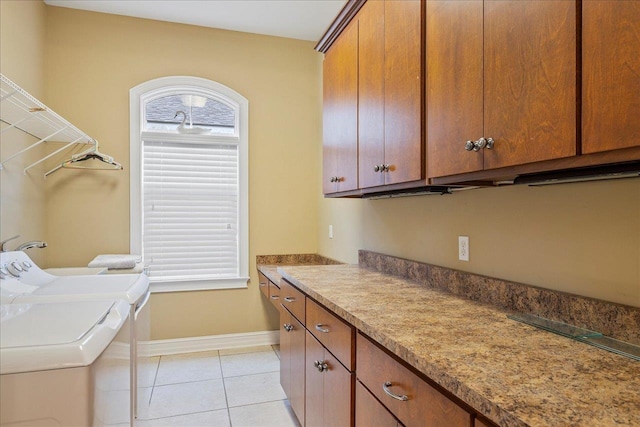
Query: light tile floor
{"x": 226, "y": 388}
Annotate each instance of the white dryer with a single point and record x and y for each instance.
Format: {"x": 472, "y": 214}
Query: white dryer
{"x": 23, "y": 282}
{"x": 65, "y": 364}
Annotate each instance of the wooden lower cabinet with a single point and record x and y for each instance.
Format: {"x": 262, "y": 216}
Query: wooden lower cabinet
{"x": 409, "y": 398}
{"x": 328, "y": 388}
{"x": 325, "y": 391}
{"x": 274, "y": 295}
{"x": 482, "y": 423}
{"x": 370, "y": 412}
{"x": 263, "y": 282}
{"x": 292, "y": 362}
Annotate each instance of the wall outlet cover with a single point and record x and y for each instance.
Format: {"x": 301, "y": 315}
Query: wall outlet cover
{"x": 463, "y": 248}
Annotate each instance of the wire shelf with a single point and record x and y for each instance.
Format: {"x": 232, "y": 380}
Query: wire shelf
{"x": 21, "y": 111}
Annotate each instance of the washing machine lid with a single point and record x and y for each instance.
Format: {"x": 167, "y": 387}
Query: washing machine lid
{"x": 129, "y": 287}
{"x": 44, "y": 336}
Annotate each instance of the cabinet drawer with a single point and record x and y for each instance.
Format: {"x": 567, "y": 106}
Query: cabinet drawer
{"x": 292, "y": 299}
{"x": 336, "y": 335}
{"x": 415, "y": 402}
{"x": 370, "y": 412}
{"x": 263, "y": 282}
{"x": 274, "y": 294}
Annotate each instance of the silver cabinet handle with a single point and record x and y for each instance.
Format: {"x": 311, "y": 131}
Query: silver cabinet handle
{"x": 385, "y": 388}
{"x": 319, "y": 327}
{"x": 263, "y": 284}
{"x": 376, "y": 168}
{"x": 321, "y": 365}
{"x": 288, "y": 327}
{"x": 385, "y": 168}
{"x": 469, "y": 145}
{"x": 479, "y": 144}
{"x": 289, "y": 299}
{"x": 335, "y": 179}
{"x": 483, "y": 143}
{"x": 274, "y": 297}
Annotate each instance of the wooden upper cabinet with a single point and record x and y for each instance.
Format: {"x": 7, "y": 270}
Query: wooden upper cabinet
{"x": 500, "y": 69}
{"x": 454, "y": 85}
{"x": 390, "y": 93}
{"x": 340, "y": 113}
{"x": 371, "y": 93}
{"x": 529, "y": 81}
{"x": 610, "y": 75}
{"x": 403, "y": 91}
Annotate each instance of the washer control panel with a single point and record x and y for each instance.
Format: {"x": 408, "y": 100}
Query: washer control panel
{"x": 18, "y": 265}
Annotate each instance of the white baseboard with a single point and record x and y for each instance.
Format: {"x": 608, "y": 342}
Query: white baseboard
{"x": 207, "y": 343}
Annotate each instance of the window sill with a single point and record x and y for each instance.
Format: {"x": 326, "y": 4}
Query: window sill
{"x": 198, "y": 285}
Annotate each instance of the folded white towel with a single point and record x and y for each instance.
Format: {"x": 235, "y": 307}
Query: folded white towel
{"x": 115, "y": 261}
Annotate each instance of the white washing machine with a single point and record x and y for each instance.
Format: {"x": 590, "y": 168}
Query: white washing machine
{"x": 65, "y": 364}
{"x": 23, "y": 282}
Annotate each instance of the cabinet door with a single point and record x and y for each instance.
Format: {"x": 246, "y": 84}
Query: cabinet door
{"x": 610, "y": 75}
{"x": 454, "y": 85}
{"x": 315, "y": 386}
{"x": 371, "y": 93}
{"x": 285, "y": 351}
{"x": 529, "y": 80}
{"x": 340, "y": 113}
{"x": 403, "y": 91}
{"x": 337, "y": 393}
{"x": 328, "y": 390}
{"x": 297, "y": 381}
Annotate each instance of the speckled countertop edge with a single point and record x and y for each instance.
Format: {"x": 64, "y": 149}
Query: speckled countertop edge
{"x": 268, "y": 264}
{"x": 511, "y": 373}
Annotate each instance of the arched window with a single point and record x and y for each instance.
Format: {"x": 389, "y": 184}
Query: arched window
{"x": 189, "y": 183}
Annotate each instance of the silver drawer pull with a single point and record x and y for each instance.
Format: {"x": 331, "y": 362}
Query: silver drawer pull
{"x": 385, "y": 388}
{"x": 289, "y": 299}
{"x": 263, "y": 284}
{"x": 275, "y": 297}
{"x": 288, "y": 327}
{"x": 319, "y": 327}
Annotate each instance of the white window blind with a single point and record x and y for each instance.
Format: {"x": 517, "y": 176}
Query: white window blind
{"x": 190, "y": 210}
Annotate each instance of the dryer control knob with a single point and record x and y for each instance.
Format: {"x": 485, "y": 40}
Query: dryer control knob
{"x": 14, "y": 269}
{"x": 26, "y": 265}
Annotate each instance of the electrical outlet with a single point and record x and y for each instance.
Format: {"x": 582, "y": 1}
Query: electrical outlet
{"x": 331, "y": 231}
{"x": 463, "y": 248}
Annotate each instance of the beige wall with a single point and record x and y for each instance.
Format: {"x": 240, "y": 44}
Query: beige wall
{"x": 22, "y": 45}
{"x": 94, "y": 59}
{"x": 579, "y": 238}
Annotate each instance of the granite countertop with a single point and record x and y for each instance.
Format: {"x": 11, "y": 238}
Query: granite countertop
{"x": 512, "y": 373}
{"x": 268, "y": 264}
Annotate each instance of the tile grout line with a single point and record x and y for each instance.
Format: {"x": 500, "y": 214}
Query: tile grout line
{"x": 224, "y": 387}
{"x": 155, "y": 378}
{"x": 223, "y": 378}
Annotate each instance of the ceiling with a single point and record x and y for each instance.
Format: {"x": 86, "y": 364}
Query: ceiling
{"x": 297, "y": 19}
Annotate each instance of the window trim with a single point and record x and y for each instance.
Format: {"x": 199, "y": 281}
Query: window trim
{"x": 164, "y": 86}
